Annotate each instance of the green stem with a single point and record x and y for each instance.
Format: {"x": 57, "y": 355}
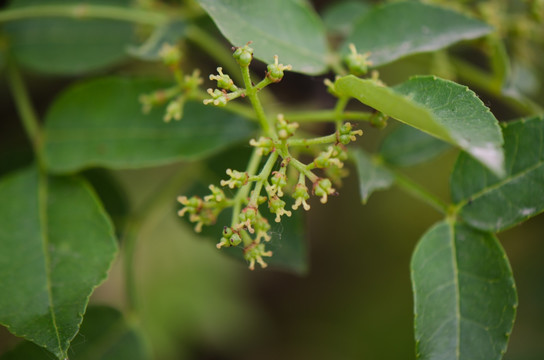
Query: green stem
{"x": 233, "y": 107}
{"x": 251, "y": 93}
{"x": 327, "y": 115}
{"x": 152, "y": 206}
{"x": 420, "y": 193}
{"x": 339, "y": 109}
{"x": 328, "y": 139}
{"x": 303, "y": 169}
{"x": 85, "y": 11}
{"x": 263, "y": 177}
{"x": 252, "y": 167}
{"x": 335, "y": 62}
{"x": 26, "y": 111}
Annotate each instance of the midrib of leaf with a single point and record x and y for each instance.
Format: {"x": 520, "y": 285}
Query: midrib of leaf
{"x": 306, "y": 53}
{"x": 456, "y": 286}
{"x": 42, "y": 210}
{"x": 497, "y": 185}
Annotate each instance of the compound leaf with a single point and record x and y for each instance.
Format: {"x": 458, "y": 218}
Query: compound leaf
{"x": 398, "y": 29}
{"x": 68, "y": 45}
{"x": 287, "y": 28}
{"x": 372, "y": 175}
{"x": 101, "y": 123}
{"x": 441, "y": 108}
{"x": 57, "y": 246}
{"x": 494, "y": 204}
{"x": 464, "y": 294}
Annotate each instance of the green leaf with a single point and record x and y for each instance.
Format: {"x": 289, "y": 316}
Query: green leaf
{"x": 399, "y": 29}
{"x": 286, "y": 28}
{"x": 464, "y": 295}
{"x": 340, "y": 17}
{"x": 441, "y": 108}
{"x": 494, "y": 204}
{"x": 100, "y": 123}
{"x": 407, "y": 146}
{"x": 68, "y": 46}
{"x": 169, "y": 33}
{"x": 372, "y": 175}
{"x": 104, "y": 335}
{"x": 57, "y": 246}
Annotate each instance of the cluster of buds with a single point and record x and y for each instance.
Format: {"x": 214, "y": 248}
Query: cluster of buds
{"x": 177, "y": 95}
{"x": 204, "y": 211}
{"x": 269, "y": 187}
{"x": 226, "y": 90}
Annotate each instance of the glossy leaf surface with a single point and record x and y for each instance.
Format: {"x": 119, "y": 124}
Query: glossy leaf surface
{"x": 494, "y": 204}
{"x": 68, "y": 45}
{"x": 340, "y": 18}
{"x": 372, "y": 175}
{"x": 101, "y": 123}
{"x": 287, "y": 28}
{"x": 441, "y": 108}
{"x": 57, "y": 246}
{"x": 464, "y": 295}
{"x": 399, "y": 29}
{"x": 104, "y": 335}
{"x": 407, "y": 146}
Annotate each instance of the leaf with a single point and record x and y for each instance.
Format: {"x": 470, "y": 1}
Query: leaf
{"x": 399, "y": 29}
{"x": 57, "y": 246}
{"x": 464, "y": 294}
{"x": 340, "y": 18}
{"x": 169, "y": 33}
{"x": 441, "y": 108}
{"x": 100, "y": 123}
{"x": 493, "y": 204}
{"x": 68, "y": 46}
{"x": 286, "y": 28}
{"x": 104, "y": 335}
{"x": 372, "y": 175}
{"x": 407, "y": 146}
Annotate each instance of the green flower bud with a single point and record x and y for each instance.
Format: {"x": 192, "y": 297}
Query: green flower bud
{"x": 323, "y": 188}
{"x": 277, "y": 206}
{"x": 275, "y": 71}
{"x": 255, "y": 252}
{"x": 170, "y": 55}
{"x": 243, "y": 55}
{"x": 230, "y": 238}
{"x": 223, "y": 80}
{"x": 346, "y": 134}
{"x": 357, "y": 63}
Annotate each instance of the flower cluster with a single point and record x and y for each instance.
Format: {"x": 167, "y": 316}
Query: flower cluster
{"x": 274, "y": 173}
{"x": 176, "y": 96}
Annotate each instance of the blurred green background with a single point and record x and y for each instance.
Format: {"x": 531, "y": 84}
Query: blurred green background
{"x": 354, "y": 303}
